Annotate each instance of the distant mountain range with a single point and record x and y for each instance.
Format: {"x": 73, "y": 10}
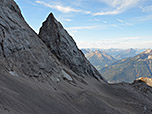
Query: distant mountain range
{"x": 101, "y": 58}
{"x": 121, "y": 65}
{"x": 129, "y": 69}
{"x": 116, "y": 53}
{"x": 121, "y": 54}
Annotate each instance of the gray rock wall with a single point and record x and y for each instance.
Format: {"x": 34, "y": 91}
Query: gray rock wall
{"x": 20, "y": 48}
{"x": 65, "y": 49}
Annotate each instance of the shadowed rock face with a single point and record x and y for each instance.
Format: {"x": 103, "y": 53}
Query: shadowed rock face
{"x": 34, "y": 81}
{"x": 64, "y": 48}
{"x": 21, "y": 51}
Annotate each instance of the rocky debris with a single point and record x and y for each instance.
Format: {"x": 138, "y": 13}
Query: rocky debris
{"x": 142, "y": 87}
{"x": 23, "y": 96}
{"x": 66, "y": 76}
{"x": 64, "y": 48}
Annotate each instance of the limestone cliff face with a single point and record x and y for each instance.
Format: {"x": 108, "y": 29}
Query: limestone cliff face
{"x": 64, "y": 48}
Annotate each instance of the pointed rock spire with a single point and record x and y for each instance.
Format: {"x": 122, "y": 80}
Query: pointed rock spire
{"x": 65, "y": 49}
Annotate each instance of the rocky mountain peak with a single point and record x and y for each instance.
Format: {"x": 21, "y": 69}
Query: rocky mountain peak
{"x": 51, "y": 22}
{"x": 147, "y": 80}
{"x": 146, "y": 55}
{"x": 148, "y": 51}
{"x": 22, "y": 53}
{"x": 131, "y": 50}
{"x": 11, "y": 6}
{"x": 64, "y": 48}
{"x": 98, "y": 54}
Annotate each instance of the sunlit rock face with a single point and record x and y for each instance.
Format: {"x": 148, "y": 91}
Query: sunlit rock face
{"x": 148, "y": 81}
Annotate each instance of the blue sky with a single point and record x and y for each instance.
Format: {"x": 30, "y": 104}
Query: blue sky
{"x": 96, "y": 23}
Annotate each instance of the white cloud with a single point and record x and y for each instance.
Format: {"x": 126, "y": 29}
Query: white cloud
{"x": 68, "y": 20}
{"x": 132, "y": 38}
{"x": 130, "y": 24}
{"x": 86, "y": 12}
{"x": 142, "y": 18}
{"x": 97, "y": 19}
{"x": 74, "y": 30}
{"x": 117, "y": 26}
{"x": 61, "y": 8}
{"x": 107, "y": 13}
{"x": 120, "y": 20}
{"x": 146, "y": 8}
{"x": 128, "y": 42}
{"x": 82, "y": 27}
{"x": 118, "y": 6}
{"x": 105, "y": 22}
{"x": 123, "y": 22}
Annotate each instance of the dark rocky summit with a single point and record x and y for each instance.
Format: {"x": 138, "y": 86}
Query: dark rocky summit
{"x": 64, "y": 48}
{"x": 21, "y": 51}
{"x": 47, "y": 74}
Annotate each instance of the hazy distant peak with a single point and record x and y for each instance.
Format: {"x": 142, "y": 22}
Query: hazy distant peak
{"x": 148, "y": 51}
{"x": 147, "y": 54}
{"x": 98, "y": 54}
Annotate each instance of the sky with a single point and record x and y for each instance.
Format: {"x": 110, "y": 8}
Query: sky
{"x": 96, "y": 23}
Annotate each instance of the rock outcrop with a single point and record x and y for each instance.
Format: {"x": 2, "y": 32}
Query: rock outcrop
{"x": 21, "y": 51}
{"x": 146, "y": 80}
{"x": 64, "y": 48}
